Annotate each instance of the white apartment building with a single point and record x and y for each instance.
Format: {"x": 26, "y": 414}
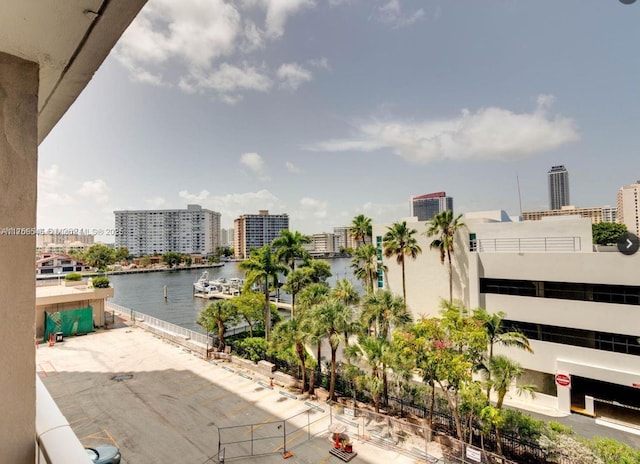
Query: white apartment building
{"x": 146, "y": 232}
{"x": 578, "y": 307}
{"x": 323, "y": 243}
{"x": 628, "y": 212}
{"x": 252, "y": 231}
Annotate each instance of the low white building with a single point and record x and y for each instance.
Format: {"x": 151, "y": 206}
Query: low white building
{"x": 579, "y": 308}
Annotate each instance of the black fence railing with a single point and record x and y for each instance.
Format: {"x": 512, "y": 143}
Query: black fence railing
{"x": 512, "y": 448}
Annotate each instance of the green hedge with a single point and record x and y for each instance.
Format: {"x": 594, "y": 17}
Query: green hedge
{"x": 100, "y": 282}
{"x": 73, "y": 277}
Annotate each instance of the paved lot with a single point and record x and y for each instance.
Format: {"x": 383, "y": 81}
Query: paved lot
{"x": 159, "y": 403}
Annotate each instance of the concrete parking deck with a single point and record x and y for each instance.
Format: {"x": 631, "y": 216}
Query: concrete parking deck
{"x": 160, "y": 403}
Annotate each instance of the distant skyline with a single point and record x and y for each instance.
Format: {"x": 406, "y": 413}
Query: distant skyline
{"x": 327, "y": 109}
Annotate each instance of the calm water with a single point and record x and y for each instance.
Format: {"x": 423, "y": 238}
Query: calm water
{"x": 144, "y": 292}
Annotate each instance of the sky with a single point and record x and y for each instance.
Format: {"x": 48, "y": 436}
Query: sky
{"x": 326, "y": 109}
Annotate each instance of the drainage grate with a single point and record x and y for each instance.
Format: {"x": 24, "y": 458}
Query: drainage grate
{"x": 120, "y": 378}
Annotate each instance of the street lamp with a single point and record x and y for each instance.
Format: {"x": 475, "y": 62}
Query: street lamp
{"x": 58, "y": 271}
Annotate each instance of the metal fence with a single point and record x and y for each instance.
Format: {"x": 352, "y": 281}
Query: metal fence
{"x": 411, "y": 437}
{"x": 265, "y": 438}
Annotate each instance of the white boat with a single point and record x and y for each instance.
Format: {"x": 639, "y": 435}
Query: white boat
{"x": 203, "y": 285}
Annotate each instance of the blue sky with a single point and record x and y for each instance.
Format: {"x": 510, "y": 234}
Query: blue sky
{"x": 325, "y": 109}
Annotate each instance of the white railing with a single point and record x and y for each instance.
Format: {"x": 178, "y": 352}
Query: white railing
{"x": 55, "y": 441}
{"x": 527, "y": 245}
{"x": 164, "y": 326}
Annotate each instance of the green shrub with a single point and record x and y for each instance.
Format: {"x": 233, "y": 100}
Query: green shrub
{"x": 73, "y": 277}
{"x": 522, "y": 425}
{"x": 100, "y": 282}
{"x": 254, "y": 348}
{"x": 614, "y": 452}
{"x": 560, "y": 428}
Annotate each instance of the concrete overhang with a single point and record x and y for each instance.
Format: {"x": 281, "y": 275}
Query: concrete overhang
{"x": 69, "y": 39}
{"x": 57, "y": 294}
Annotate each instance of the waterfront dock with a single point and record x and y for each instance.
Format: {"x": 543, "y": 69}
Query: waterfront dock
{"x": 224, "y": 296}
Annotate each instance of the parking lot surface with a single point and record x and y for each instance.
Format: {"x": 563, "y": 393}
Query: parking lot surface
{"x": 160, "y": 403}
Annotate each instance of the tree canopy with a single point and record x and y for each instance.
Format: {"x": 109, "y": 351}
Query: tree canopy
{"x": 607, "y": 233}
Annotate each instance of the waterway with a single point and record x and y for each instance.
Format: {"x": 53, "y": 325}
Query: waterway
{"x": 144, "y": 292}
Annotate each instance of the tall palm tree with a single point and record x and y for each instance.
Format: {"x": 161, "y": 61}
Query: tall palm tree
{"x": 292, "y": 334}
{"x": 347, "y": 295}
{"x": 288, "y": 247}
{"x": 309, "y": 298}
{"x": 373, "y": 352}
{"x": 361, "y": 228}
{"x": 263, "y": 267}
{"x": 444, "y": 226}
{"x": 382, "y": 312}
{"x": 497, "y": 333}
{"x": 333, "y": 318}
{"x": 297, "y": 280}
{"x": 365, "y": 265}
{"x": 399, "y": 241}
{"x": 505, "y": 371}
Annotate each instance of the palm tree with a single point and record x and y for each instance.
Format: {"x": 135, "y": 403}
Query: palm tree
{"x": 372, "y": 351}
{"x": 399, "y": 241}
{"x": 361, "y": 228}
{"x": 505, "y": 371}
{"x": 383, "y": 311}
{"x": 261, "y": 267}
{"x": 311, "y": 297}
{"x": 365, "y": 265}
{"x": 333, "y": 318}
{"x": 347, "y": 295}
{"x": 215, "y": 316}
{"x": 288, "y": 247}
{"x": 296, "y": 281}
{"x": 444, "y": 226}
{"x": 497, "y": 334}
{"x": 292, "y": 334}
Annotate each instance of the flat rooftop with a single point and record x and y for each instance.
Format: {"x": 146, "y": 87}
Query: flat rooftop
{"x": 160, "y": 403}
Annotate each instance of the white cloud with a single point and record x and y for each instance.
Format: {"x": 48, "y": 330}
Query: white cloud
{"x": 198, "y": 45}
{"x": 292, "y": 168}
{"x": 191, "y": 197}
{"x": 315, "y": 208}
{"x": 233, "y": 205}
{"x": 489, "y": 133}
{"x": 228, "y": 80}
{"x": 321, "y": 63}
{"x": 293, "y": 75}
{"x": 278, "y": 12}
{"x": 255, "y": 163}
{"x": 391, "y": 13}
{"x": 96, "y": 190}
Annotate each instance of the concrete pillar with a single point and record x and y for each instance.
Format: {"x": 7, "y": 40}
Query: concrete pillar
{"x": 18, "y": 185}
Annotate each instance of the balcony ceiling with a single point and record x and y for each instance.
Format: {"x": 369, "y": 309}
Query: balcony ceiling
{"x": 69, "y": 39}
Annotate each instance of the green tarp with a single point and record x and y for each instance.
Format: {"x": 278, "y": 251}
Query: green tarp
{"x": 69, "y": 322}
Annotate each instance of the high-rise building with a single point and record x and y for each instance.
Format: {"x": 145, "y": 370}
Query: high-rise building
{"x": 628, "y": 212}
{"x": 253, "y": 231}
{"x": 342, "y": 238}
{"x": 226, "y": 237}
{"x": 424, "y": 207}
{"x": 147, "y": 232}
{"x": 558, "y": 177}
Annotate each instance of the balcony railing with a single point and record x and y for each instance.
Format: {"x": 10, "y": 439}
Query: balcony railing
{"x": 526, "y": 245}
